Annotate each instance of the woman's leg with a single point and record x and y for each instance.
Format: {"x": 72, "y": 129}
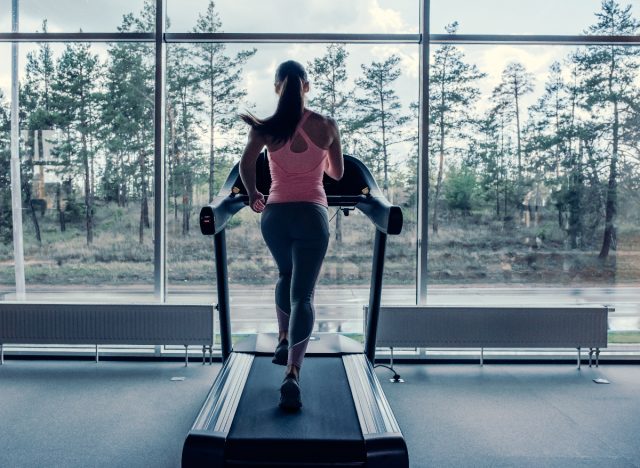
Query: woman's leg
{"x": 280, "y": 243}
{"x": 309, "y": 248}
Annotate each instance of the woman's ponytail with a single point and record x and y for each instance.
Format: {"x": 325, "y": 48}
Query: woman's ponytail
{"x": 282, "y": 124}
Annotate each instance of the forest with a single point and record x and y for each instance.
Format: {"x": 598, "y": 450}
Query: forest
{"x": 538, "y": 194}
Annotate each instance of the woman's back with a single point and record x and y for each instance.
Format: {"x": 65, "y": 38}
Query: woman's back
{"x": 298, "y": 165}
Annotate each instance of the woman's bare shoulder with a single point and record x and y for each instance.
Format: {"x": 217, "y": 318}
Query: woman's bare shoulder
{"x": 323, "y": 123}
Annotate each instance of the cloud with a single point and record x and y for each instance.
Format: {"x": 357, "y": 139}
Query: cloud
{"x": 536, "y": 59}
{"x": 493, "y": 59}
{"x": 409, "y": 56}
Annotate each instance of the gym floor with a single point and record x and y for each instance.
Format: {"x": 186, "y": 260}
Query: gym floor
{"x": 131, "y": 414}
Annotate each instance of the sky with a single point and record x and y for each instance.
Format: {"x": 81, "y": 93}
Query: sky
{"x": 362, "y": 16}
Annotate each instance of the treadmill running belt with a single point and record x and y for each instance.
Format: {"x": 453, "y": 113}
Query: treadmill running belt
{"x": 326, "y": 429}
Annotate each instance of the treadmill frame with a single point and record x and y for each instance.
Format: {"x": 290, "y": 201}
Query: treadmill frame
{"x": 232, "y": 197}
{"x": 383, "y": 442}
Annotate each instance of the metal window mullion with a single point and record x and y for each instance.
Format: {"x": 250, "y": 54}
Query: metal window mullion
{"x": 532, "y": 39}
{"x": 77, "y": 37}
{"x": 423, "y": 158}
{"x": 480, "y": 39}
{"x": 16, "y": 184}
{"x": 159, "y": 228}
{"x": 293, "y": 38}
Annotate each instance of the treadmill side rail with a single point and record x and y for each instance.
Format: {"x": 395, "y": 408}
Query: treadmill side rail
{"x": 384, "y": 443}
{"x": 205, "y": 443}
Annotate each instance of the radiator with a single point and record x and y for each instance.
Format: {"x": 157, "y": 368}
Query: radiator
{"x": 492, "y": 327}
{"x": 96, "y": 324}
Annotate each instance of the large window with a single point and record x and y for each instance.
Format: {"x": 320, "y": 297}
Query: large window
{"x": 293, "y": 16}
{"x": 534, "y": 168}
{"x": 7, "y": 277}
{"x": 208, "y": 85}
{"x": 544, "y": 17}
{"x": 532, "y": 150}
{"x": 86, "y": 132}
{"x": 74, "y": 15}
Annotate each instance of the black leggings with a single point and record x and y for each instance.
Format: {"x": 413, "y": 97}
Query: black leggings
{"x": 297, "y": 235}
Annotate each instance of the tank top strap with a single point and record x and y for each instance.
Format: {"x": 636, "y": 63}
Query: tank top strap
{"x": 299, "y": 128}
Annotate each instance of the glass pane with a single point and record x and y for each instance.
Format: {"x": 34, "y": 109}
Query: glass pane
{"x": 344, "y": 283}
{"x": 530, "y": 153}
{"x": 5, "y": 17}
{"x": 568, "y": 17}
{"x": 87, "y": 170}
{"x": 7, "y": 276}
{"x": 291, "y": 16}
{"x": 85, "y": 15}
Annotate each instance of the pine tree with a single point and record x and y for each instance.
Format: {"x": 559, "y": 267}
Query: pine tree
{"x": 501, "y": 113}
{"x": 35, "y": 104}
{"x": 220, "y": 78}
{"x": 185, "y": 107}
{"x": 516, "y": 82}
{"x": 453, "y": 94}
{"x": 76, "y": 97}
{"x": 329, "y": 76}
{"x": 127, "y": 117}
{"x": 556, "y": 149}
{"x": 609, "y": 87}
{"x": 380, "y": 116}
{"x": 486, "y": 153}
{"x": 6, "y": 223}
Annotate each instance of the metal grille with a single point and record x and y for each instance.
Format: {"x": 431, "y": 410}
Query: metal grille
{"x": 493, "y": 327}
{"x": 133, "y": 324}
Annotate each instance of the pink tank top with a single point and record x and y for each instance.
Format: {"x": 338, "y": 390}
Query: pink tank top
{"x": 297, "y": 177}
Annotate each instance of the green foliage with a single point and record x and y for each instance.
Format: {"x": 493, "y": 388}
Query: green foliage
{"x": 461, "y": 189}
{"x": 6, "y": 231}
{"x": 453, "y": 93}
{"x": 328, "y": 74}
{"x": 379, "y": 118}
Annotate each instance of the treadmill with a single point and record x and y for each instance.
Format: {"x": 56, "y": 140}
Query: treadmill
{"x": 345, "y": 420}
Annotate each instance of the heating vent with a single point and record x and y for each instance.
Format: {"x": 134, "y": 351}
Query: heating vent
{"x": 492, "y": 327}
{"x": 130, "y": 324}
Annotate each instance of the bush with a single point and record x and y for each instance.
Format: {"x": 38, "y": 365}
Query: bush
{"x": 461, "y": 189}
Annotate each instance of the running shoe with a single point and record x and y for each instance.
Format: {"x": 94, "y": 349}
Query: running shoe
{"x": 281, "y": 354}
{"x": 290, "y": 393}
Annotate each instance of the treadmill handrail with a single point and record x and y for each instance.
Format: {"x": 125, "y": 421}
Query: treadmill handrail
{"x": 386, "y": 217}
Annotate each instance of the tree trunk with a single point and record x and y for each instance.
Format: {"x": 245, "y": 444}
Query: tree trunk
{"x": 609, "y": 239}
{"x": 518, "y": 135}
{"x": 211, "y": 133}
{"x": 40, "y": 146}
{"x": 34, "y": 218}
{"x": 173, "y": 162}
{"x": 185, "y": 170}
{"x": 497, "y": 183}
{"x": 144, "y": 207}
{"x": 87, "y": 191}
{"x": 436, "y": 198}
{"x": 575, "y": 199}
{"x": 59, "y": 208}
{"x": 385, "y": 156}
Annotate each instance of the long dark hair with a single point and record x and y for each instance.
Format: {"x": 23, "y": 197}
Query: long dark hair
{"x": 282, "y": 124}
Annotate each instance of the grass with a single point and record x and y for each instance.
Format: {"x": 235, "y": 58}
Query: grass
{"x": 467, "y": 250}
{"x": 626, "y": 337}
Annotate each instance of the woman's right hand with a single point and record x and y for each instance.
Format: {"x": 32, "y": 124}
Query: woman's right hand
{"x": 256, "y": 201}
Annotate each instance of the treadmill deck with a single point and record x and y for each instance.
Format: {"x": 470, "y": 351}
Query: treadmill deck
{"x": 264, "y": 432}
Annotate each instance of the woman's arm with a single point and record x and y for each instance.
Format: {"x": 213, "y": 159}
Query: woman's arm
{"x": 248, "y": 160}
{"x": 335, "y": 162}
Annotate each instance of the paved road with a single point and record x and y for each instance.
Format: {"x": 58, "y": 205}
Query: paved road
{"x": 341, "y": 308}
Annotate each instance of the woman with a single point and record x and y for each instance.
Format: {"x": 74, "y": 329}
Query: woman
{"x": 302, "y": 146}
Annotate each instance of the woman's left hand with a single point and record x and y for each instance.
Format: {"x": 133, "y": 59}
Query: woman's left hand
{"x": 256, "y": 201}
